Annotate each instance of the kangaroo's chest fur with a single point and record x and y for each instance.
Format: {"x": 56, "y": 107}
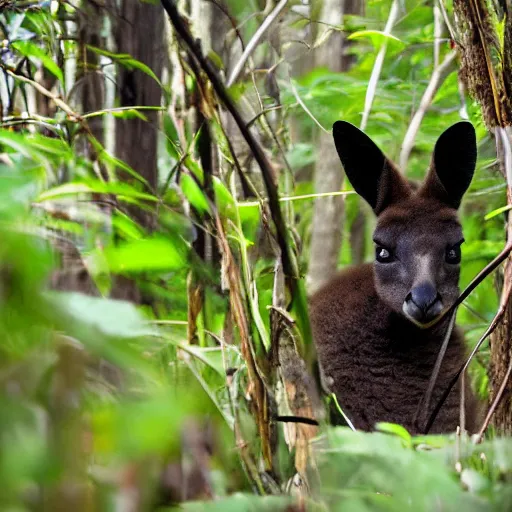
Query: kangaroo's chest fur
{"x": 378, "y": 363}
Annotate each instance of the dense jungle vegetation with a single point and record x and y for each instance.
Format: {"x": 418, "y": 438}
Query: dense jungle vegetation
{"x": 171, "y": 196}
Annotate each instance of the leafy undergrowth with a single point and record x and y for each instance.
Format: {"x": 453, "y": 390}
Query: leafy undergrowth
{"x": 100, "y": 402}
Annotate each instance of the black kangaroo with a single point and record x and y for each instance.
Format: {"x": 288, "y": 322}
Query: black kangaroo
{"x": 379, "y": 327}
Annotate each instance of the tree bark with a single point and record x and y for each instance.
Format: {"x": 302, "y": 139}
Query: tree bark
{"x": 328, "y": 214}
{"x": 138, "y": 29}
{"x": 139, "y": 32}
{"x": 486, "y": 69}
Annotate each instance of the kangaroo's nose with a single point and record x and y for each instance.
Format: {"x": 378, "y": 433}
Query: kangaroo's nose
{"x": 423, "y": 303}
{"x": 424, "y": 296}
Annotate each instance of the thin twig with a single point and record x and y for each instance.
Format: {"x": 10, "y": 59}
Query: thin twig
{"x": 253, "y": 43}
{"x": 302, "y": 104}
{"x": 232, "y": 20}
{"x": 45, "y": 92}
{"x": 446, "y": 19}
{"x": 121, "y": 109}
{"x": 462, "y": 407}
{"x": 494, "y": 404}
{"x": 298, "y": 198}
{"x": 436, "y": 80}
{"x": 340, "y": 410}
{"x": 424, "y": 404}
{"x": 438, "y": 32}
{"x": 476, "y": 281}
{"x": 297, "y": 419}
{"x": 463, "y": 368}
{"x": 262, "y": 113}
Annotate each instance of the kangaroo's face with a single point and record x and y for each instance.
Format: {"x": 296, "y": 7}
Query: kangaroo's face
{"x": 418, "y": 235}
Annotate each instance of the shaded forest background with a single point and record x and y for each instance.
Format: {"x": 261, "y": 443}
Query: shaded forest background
{"x": 170, "y": 196}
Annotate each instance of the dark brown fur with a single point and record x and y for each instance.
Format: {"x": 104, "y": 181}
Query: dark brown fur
{"x": 377, "y": 360}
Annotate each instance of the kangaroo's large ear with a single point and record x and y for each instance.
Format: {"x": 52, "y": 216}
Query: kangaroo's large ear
{"x": 372, "y": 175}
{"x": 453, "y": 165}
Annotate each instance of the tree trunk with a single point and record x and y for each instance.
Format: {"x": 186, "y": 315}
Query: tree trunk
{"x": 138, "y": 30}
{"x": 481, "y": 50}
{"x": 328, "y": 214}
{"x": 89, "y": 96}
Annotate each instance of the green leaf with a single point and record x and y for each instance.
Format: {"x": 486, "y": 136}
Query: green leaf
{"x": 115, "y": 162}
{"x": 216, "y": 59}
{"x": 152, "y": 254}
{"x": 110, "y": 317}
{"x": 396, "y": 430}
{"x": 211, "y": 356}
{"x": 301, "y": 155}
{"x": 31, "y": 50}
{"x": 131, "y": 113}
{"x": 126, "y": 226}
{"x": 194, "y": 194}
{"x": 172, "y": 138}
{"x": 121, "y": 190}
{"x": 127, "y": 61}
{"x": 496, "y": 212}
{"x": 377, "y": 38}
{"x": 223, "y": 198}
{"x": 480, "y": 249}
{"x": 36, "y": 146}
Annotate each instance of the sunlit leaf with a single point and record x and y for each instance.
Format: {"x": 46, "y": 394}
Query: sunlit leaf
{"x": 497, "y": 211}
{"x": 194, "y": 193}
{"x": 151, "y": 254}
{"x": 122, "y": 190}
{"x": 377, "y": 37}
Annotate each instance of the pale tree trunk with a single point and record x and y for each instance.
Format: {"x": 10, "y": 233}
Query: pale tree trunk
{"x": 138, "y": 29}
{"x": 328, "y": 214}
{"x": 480, "y": 48}
{"x": 202, "y": 15}
{"x": 358, "y": 226}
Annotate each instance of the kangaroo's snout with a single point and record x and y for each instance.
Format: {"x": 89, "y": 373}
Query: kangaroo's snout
{"x": 423, "y": 304}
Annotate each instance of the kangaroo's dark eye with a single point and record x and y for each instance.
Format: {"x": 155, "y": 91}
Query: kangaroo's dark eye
{"x": 453, "y": 254}
{"x": 383, "y": 255}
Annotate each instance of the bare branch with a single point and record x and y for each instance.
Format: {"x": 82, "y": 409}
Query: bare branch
{"x": 45, "y": 92}
{"x": 424, "y": 404}
{"x": 253, "y": 43}
{"x": 438, "y": 76}
{"x": 494, "y": 405}
{"x": 446, "y": 19}
{"x": 377, "y": 67}
{"x": 302, "y": 104}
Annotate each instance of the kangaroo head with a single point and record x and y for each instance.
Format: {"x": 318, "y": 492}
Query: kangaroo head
{"x": 418, "y": 234}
